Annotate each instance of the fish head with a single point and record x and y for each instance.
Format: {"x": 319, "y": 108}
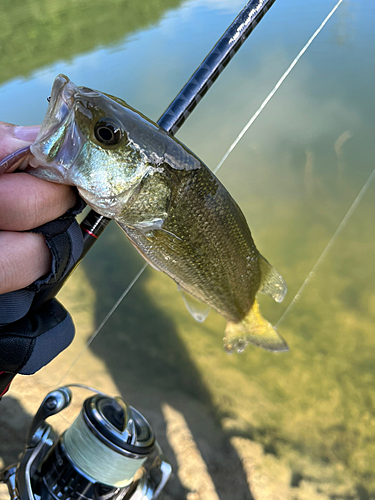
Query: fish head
{"x": 97, "y": 143}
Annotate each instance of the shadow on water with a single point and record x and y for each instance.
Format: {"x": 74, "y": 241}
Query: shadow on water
{"x": 151, "y": 366}
{"x": 14, "y": 426}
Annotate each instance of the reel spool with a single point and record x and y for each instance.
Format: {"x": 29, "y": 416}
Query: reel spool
{"x": 108, "y": 453}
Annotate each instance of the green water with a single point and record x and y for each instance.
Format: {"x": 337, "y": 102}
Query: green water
{"x": 295, "y": 174}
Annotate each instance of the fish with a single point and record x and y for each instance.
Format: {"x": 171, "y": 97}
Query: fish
{"x": 173, "y": 209}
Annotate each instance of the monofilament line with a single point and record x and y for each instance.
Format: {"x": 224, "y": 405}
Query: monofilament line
{"x": 106, "y": 318}
{"x": 330, "y": 244}
{"x": 276, "y": 87}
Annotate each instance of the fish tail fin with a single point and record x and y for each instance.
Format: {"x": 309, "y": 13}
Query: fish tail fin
{"x": 272, "y": 282}
{"x": 253, "y": 329}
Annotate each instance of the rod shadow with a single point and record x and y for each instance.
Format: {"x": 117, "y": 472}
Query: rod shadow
{"x": 150, "y": 365}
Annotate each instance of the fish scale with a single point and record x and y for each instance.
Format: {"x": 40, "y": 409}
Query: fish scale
{"x": 197, "y": 196}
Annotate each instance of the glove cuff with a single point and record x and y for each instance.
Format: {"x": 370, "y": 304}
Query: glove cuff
{"x": 33, "y": 341}
{"x": 63, "y": 237}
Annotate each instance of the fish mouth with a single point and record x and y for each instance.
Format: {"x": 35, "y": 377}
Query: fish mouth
{"x": 59, "y": 140}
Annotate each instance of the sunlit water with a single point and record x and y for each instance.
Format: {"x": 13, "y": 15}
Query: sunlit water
{"x": 295, "y": 174}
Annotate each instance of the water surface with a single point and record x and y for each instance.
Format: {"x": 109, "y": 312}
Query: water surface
{"x": 309, "y": 414}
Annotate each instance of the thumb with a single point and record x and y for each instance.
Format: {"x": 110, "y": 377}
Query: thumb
{"x": 14, "y": 137}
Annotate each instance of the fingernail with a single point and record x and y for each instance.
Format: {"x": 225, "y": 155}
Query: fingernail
{"x": 26, "y": 133}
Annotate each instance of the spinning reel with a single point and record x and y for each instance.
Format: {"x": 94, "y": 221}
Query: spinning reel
{"x": 108, "y": 453}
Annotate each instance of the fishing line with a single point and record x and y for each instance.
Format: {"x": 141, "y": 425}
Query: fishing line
{"x": 276, "y": 87}
{"x": 106, "y": 318}
{"x": 330, "y": 244}
{"x": 234, "y": 144}
{"x": 97, "y": 459}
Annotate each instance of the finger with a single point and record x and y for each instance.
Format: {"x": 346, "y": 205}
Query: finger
{"x": 17, "y": 160}
{"x": 27, "y": 202}
{"x": 24, "y": 258}
{"x": 14, "y": 137}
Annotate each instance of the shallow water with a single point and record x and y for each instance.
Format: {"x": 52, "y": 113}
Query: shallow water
{"x": 295, "y": 174}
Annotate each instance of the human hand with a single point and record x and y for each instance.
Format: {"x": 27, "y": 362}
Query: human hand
{"x": 40, "y": 241}
{"x": 26, "y": 202}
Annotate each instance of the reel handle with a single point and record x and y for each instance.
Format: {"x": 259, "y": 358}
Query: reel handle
{"x": 53, "y": 403}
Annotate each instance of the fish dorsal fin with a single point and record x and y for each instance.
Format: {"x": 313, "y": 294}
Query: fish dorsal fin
{"x": 272, "y": 282}
{"x": 198, "y": 309}
{"x": 253, "y": 329}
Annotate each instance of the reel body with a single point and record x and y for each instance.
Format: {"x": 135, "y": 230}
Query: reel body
{"x": 109, "y": 453}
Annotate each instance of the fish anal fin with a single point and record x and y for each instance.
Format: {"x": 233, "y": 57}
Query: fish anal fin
{"x": 272, "y": 282}
{"x": 253, "y": 329}
{"x": 198, "y": 309}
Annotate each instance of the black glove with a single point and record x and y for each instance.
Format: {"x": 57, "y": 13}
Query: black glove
{"x": 29, "y": 339}
{"x": 33, "y": 341}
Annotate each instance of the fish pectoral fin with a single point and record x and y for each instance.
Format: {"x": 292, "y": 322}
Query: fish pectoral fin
{"x": 253, "y": 329}
{"x": 148, "y": 226}
{"x": 145, "y": 226}
{"x": 125, "y": 228}
{"x": 198, "y": 309}
{"x": 272, "y": 282}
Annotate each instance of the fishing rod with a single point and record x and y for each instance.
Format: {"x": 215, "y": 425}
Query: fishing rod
{"x": 180, "y": 108}
{"x": 173, "y": 118}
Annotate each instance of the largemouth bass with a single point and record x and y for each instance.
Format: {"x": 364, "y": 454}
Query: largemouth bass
{"x": 173, "y": 209}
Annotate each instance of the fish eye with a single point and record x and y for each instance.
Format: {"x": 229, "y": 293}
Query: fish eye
{"x": 107, "y": 133}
